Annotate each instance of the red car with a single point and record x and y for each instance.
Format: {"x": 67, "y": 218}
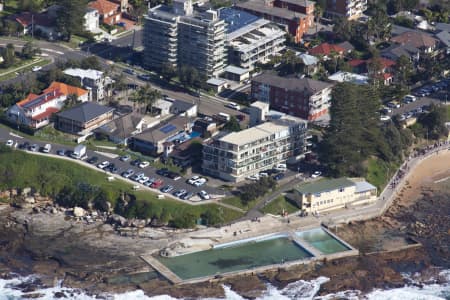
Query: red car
{"x": 157, "y": 184}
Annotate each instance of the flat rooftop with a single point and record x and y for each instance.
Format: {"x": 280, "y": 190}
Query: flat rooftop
{"x": 235, "y": 18}
{"x": 324, "y": 185}
{"x": 260, "y": 7}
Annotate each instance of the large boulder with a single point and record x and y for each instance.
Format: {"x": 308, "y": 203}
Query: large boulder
{"x": 29, "y": 200}
{"x": 79, "y": 212}
{"x": 116, "y": 219}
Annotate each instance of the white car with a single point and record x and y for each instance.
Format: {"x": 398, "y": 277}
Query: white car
{"x": 200, "y": 182}
{"x": 204, "y": 195}
{"x": 9, "y": 143}
{"x": 253, "y": 177}
{"x": 143, "y": 179}
{"x": 316, "y": 174}
{"x": 193, "y": 179}
{"x": 36, "y": 68}
{"x": 385, "y": 118}
{"x": 144, "y": 164}
{"x": 281, "y": 167}
{"x": 233, "y": 105}
{"x": 263, "y": 174}
{"x": 103, "y": 165}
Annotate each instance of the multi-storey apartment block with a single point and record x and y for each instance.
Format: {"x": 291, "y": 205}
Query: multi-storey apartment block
{"x": 178, "y": 36}
{"x": 236, "y": 155}
{"x": 295, "y": 22}
{"x": 302, "y": 97}
{"x": 250, "y": 39}
{"x": 349, "y": 9}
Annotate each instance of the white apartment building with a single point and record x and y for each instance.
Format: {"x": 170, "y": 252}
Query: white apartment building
{"x": 251, "y": 39}
{"x": 178, "y": 35}
{"x": 93, "y": 80}
{"x": 237, "y": 155}
{"x": 350, "y": 9}
{"x": 91, "y": 20}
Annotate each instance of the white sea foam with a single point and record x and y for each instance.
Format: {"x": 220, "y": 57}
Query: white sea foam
{"x": 299, "y": 290}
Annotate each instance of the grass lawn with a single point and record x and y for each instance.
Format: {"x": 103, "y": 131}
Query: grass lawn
{"x": 448, "y": 113}
{"x": 22, "y": 66}
{"x": 237, "y": 202}
{"x": 10, "y": 7}
{"x": 378, "y": 172}
{"x": 276, "y": 206}
{"x": 28, "y": 170}
{"x": 48, "y": 133}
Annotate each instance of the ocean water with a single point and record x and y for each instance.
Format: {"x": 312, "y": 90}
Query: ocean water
{"x": 299, "y": 290}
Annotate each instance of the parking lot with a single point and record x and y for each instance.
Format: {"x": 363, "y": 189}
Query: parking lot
{"x": 178, "y": 183}
{"x": 425, "y": 96}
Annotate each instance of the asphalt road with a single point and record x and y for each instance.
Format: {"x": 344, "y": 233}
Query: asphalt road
{"x": 122, "y": 166}
{"x": 405, "y": 108}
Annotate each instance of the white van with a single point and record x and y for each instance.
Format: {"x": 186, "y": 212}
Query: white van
{"x": 47, "y": 148}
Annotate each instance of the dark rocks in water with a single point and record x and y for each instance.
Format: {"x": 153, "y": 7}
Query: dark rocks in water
{"x": 33, "y": 296}
{"x": 59, "y": 295}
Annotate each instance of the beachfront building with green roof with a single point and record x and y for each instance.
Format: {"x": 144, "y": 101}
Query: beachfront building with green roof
{"x": 329, "y": 194}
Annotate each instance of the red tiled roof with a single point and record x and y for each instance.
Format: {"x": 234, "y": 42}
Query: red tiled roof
{"x": 66, "y": 89}
{"x": 26, "y": 18}
{"x": 385, "y": 63}
{"x": 326, "y": 49}
{"x": 33, "y": 100}
{"x": 48, "y": 112}
{"x": 104, "y": 6}
{"x": 387, "y": 76}
{"x": 356, "y": 62}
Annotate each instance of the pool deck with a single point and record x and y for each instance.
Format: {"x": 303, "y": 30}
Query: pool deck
{"x": 317, "y": 255}
{"x": 161, "y": 269}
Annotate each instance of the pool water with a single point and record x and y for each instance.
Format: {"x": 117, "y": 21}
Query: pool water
{"x": 234, "y": 258}
{"x": 322, "y": 241}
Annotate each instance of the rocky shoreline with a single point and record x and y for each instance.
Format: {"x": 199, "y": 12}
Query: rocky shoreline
{"x": 100, "y": 253}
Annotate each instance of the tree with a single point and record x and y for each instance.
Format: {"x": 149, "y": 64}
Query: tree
{"x": 184, "y": 219}
{"x": 343, "y": 29}
{"x": 168, "y": 71}
{"x": 70, "y": 17}
{"x": 9, "y": 56}
{"x": 91, "y": 62}
{"x": 29, "y": 51}
{"x": 146, "y": 96}
{"x": 213, "y": 216}
{"x": 232, "y": 124}
{"x": 403, "y": 70}
{"x": 434, "y": 121}
{"x": 30, "y": 5}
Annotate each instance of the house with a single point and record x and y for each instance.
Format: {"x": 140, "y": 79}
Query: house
{"x": 184, "y": 154}
{"x": 183, "y": 108}
{"x": 40, "y": 23}
{"x": 206, "y": 127}
{"x": 121, "y": 129}
{"x": 444, "y": 37}
{"x": 236, "y": 74}
{"x": 422, "y": 41}
{"x": 286, "y": 13}
{"x": 91, "y": 20}
{"x": 395, "y": 51}
{"x": 330, "y": 194}
{"x": 109, "y": 12}
{"x": 235, "y": 156}
{"x": 258, "y": 111}
{"x": 93, "y": 80}
{"x": 151, "y": 141}
{"x": 326, "y": 50}
{"x": 347, "y": 46}
{"x": 362, "y": 66}
{"x": 81, "y": 95}
{"x": 310, "y": 62}
{"x": 83, "y": 119}
{"x": 341, "y": 76}
{"x": 301, "y": 97}
{"x": 36, "y": 111}
{"x": 217, "y": 84}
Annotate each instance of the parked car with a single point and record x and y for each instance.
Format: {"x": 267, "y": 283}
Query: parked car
{"x": 167, "y": 188}
{"x": 157, "y": 184}
{"x": 92, "y": 160}
{"x": 144, "y": 164}
{"x": 34, "y": 147}
{"x": 279, "y": 176}
{"x": 47, "y": 148}
{"x": 121, "y": 24}
{"x": 385, "y": 118}
{"x": 200, "y": 182}
{"x": 173, "y": 175}
{"x": 129, "y": 71}
{"x": 281, "y": 167}
{"x": 233, "y": 105}
{"x": 163, "y": 172}
{"x": 254, "y": 177}
{"x": 103, "y": 164}
{"x": 36, "y": 68}
{"x": 144, "y": 77}
{"x": 180, "y": 193}
{"x": 193, "y": 179}
{"x": 149, "y": 182}
{"x": 204, "y": 195}
{"x": 316, "y": 174}
{"x": 25, "y": 146}
{"x": 263, "y": 174}
{"x": 61, "y": 152}
{"x": 187, "y": 196}
{"x": 125, "y": 158}
{"x": 143, "y": 179}
{"x": 112, "y": 168}
{"x": 135, "y": 162}
{"x": 9, "y": 143}
{"x": 128, "y": 173}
